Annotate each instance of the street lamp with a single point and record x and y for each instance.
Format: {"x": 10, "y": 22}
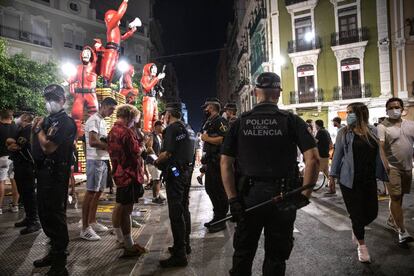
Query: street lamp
{"x": 68, "y": 69}
{"x": 309, "y": 36}
{"x": 123, "y": 66}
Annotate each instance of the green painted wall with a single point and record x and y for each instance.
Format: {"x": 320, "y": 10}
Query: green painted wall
{"x": 285, "y": 29}
{"x": 327, "y": 67}
{"x": 306, "y": 114}
{"x": 371, "y": 59}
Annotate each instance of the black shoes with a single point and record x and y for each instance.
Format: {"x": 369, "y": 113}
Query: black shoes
{"x": 208, "y": 224}
{"x": 217, "y": 227}
{"x": 171, "y": 249}
{"x": 174, "y": 261}
{"x": 21, "y": 223}
{"x": 45, "y": 261}
{"x": 57, "y": 271}
{"x": 30, "y": 229}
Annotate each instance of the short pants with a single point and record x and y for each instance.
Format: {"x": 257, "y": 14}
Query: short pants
{"x": 129, "y": 194}
{"x": 6, "y": 168}
{"x": 96, "y": 175}
{"x": 399, "y": 182}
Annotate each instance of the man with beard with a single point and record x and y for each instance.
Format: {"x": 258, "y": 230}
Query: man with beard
{"x": 52, "y": 149}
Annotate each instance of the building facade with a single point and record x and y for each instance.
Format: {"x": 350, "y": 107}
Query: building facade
{"x": 57, "y": 30}
{"x": 328, "y": 53}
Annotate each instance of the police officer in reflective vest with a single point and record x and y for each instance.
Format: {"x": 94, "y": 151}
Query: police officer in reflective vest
{"x": 175, "y": 160}
{"x": 263, "y": 142}
{"x": 52, "y": 150}
{"x": 214, "y": 130}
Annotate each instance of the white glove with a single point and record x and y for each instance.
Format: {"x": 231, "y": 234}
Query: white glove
{"x": 65, "y": 83}
{"x": 161, "y": 76}
{"x": 136, "y": 23}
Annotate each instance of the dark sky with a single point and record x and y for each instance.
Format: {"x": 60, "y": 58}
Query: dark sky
{"x": 193, "y": 25}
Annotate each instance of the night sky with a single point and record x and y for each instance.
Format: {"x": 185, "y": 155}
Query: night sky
{"x": 194, "y": 25}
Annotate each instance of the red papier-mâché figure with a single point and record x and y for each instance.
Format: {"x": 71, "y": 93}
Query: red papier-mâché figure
{"x": 127, "y": 89}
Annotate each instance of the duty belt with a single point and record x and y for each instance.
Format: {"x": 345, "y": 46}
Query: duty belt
{"x": 113, "y": 46}
{"x": 84, "y": 90}
{"x": 50, "y": 163}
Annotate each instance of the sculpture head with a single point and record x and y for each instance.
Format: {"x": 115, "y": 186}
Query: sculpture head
{"x": 87, "y": 55}
{"x": 109, "y": 15}
{"x": 154, "y": 70}
{"x": 149, "y": 70}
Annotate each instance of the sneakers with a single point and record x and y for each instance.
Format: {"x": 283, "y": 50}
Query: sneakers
{"x": 158, "y": 200}
{"x": 45, "y": 261}
{"x": 89, "y": 234}
{"x": 99, "y": 227}
{"x": 200, "y": 180}
{"x": 21, "y": 223}
{"x": 363, "y": 255}
{"x": 404, "y": 237}
{"x": 135, "y": 251}
{"x": 174, "y": 261}
{"x": 391, "y": 224}
{"x": 14, "y": 208}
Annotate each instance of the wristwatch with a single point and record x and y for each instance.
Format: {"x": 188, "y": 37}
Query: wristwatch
{"x": 37, "y": 130}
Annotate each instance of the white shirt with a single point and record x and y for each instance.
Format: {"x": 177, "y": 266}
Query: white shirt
{"x": 97, "y": 124}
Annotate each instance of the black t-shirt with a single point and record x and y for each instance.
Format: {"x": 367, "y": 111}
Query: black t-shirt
{"x": 214, "y": 127}
{"x": 177, "y": 142}
{"x": 6, "y": 131}
{"x": 365, "y": 155}
{"x": 324, "y": 140}
{"x": 22, "y": 137}
{"x": 61, "y": 130}
{"x": 270, "y": 154}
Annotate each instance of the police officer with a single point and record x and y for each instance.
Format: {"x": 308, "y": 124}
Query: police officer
{"x": 264, "y": 142}
{"x": 230, "y": 111}
{"x": 52, "y": 149}
{"x": 214, "y": 130}
{"x": 24, "y": 172}
{"x": 175, "y": 159}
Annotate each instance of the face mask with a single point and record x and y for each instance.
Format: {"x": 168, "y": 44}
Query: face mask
{"x": 207, "y": 113}
{"x": 394, "y": 113}
{"x": 224, "y": 115}
{"x": 18, "y": 121}
{"x": 351, "y": 119}
{"x": 53, "y": 107}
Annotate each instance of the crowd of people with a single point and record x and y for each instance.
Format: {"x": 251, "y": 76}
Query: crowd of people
{"x": 236, "y": 175}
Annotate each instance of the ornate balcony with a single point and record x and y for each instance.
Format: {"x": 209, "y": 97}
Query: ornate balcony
{"x": 295, "y": 46}
{"x": 299, "y": 97}
{"x": 25, "y": 36}
{"x": 351, "y": 36}
{"x": 352, "y": 92}
{"x": 292, "y": 2}
{"x": 243, "y": 51}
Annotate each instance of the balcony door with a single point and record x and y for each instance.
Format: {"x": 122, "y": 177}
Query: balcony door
{"x": 306, "y": 83}
{"x": 348, "y": 25}
{"x": 351, "y": 78}
{"x": 11, "y": 25}
{"x": 302, "y": 27}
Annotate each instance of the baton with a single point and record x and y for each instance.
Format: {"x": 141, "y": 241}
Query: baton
{"x": 274, "y": 200}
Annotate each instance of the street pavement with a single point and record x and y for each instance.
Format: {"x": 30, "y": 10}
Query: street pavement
{"x": 323, "y": 243}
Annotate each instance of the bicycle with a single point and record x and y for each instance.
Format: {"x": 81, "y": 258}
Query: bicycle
{"x": 321, "y": 181}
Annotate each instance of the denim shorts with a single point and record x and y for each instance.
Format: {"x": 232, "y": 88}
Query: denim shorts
{"x": 6, "y": 168}
{"x": 96, "y": 175}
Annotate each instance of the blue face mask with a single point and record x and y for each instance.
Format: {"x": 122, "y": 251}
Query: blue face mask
{"x": 351, "y": 119}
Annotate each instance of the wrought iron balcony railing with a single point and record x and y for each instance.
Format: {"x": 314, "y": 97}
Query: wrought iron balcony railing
{"x": 350, "y": 36}
{"x": 352, "y": 92}
{"x": 298, "y": 97}
{"x": 303, "y": 45}
{"x": 29, "y": 37}
{"x": 241, "y": 84}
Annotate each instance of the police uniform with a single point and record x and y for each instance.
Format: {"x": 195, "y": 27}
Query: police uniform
{"x": 233, "y": 107}
{"x": 176, "y": 141}
{"x": 215, "y": 126}
{"x": 264, "y": 143}
{"x": 25, "y": 180}
{"x": 52, "y": 173}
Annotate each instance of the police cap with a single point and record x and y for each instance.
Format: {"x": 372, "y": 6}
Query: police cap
{"x": 54, "y": 90}
{"x": 268, "y": 80}
{"x": 230, "y": 106}
{"x": 213, "y": 101}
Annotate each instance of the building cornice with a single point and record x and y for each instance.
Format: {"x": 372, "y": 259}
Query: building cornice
{"x": 305, "y": 57}
{"x": 352, "y": 50}
{"x": 302, "y": 6}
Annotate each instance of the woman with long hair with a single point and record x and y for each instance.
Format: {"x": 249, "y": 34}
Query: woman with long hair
{"x": 355, "y": 164}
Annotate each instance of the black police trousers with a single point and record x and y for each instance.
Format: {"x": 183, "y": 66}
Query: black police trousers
{"x": 278, "y": 233}
{"x": 215, "y": 190}
{"x": 52, "y": 194}
{"x": 26, "y": 186}
{"x": 178, "y": 188}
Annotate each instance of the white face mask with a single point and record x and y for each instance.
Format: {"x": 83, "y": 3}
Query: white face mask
{"x": 394, "y": 113}
{"x": 224, "y": 115}
{"x": 53, "y": 107}
{"x": 86, "y": 55}
{"x": 18, "y": 121}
